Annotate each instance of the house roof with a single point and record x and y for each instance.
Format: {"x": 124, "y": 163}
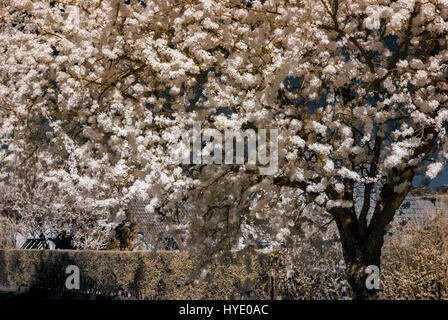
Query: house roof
{"x": 414, "y": 206}
{"x": 138, "y": 210}
{"x": 142, "y": 218}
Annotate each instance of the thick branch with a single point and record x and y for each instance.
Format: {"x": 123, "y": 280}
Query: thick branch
{"x": 390, "y": 200}
{"x": 362, "y": 226}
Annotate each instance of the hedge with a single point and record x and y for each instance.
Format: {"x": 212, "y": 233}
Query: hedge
{"x": 142, "y": 275}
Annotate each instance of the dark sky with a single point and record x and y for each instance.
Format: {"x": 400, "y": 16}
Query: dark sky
{"x": 441, "y": 179}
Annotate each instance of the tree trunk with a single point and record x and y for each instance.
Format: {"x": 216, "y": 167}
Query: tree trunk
{"x": 359, "y": 252}
{"x": 357, "y": 276}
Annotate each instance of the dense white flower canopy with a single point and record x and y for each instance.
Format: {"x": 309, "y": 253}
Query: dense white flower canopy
{"x": 95, "y": 94}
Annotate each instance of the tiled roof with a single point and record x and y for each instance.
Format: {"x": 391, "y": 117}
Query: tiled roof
{"x": 144, "y": 221}
{"x": 416, "y": 206}
{"x": 139, "y": 212}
